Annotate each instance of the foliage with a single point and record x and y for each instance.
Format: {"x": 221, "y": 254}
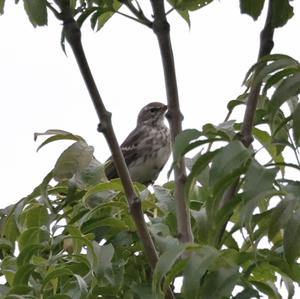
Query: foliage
{"x": 74, "y": 237}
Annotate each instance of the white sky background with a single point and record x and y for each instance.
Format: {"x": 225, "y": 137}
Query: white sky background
{"x": 42, "y": 89}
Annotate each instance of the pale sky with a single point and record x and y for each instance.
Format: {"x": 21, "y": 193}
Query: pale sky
{"x": 42, "y": 89}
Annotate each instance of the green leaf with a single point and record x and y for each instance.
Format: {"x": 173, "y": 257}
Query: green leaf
{"x": 100, "y": 257}
{"x": 291, "y": 238}
{"x": 58, "y": 135}
{"x": 289, "y": 284}
{"x": 258, "y": 186}
{"x": 113, "y": 185}
{"x": 35, "y": 216}
{"x": 296, "y": 125}
{"x": 274, "y": 79}
{"x": 288, "y": 88}
{"x": 267, "y": 288}
{"x": 275, "y": 65}
{"x": 2, "y": 2}
{"x": 199, "y": 166}
{"x": 33, "y": 235}
{"x": 266, "y": 140}
{"x": 36, "y": 11}
{"x": 92, "y": 174}
{"x": 164, "y": 264}
{"x": 22, "y": 275}
{"x": 9, "y": 268}
{"x": 83, "y": 287}
{"x": 143, "y": 291}
{"x": 189, "y": 4}
{"x": 258, "y": 179}
{"x": 280, "y": 216}
{"x": 74, "y": 159}
{"x": 59, "y": 297}
{"x": 263, "y": 62}
{"x": 252, "y": 7}
{"x": 228, "y": 159}
{"x": 220, "y": 283}
{"x": 282, "y": 11}
{"x": 103, "y": 14}
{"x": 56, "y": 273}
{"x": 27, "y": 253}
{"x": 247, "y": 293}
{"x": 196, "y": 267}
{"x": 11, "y": 231}
{"x": 183, "y": 140}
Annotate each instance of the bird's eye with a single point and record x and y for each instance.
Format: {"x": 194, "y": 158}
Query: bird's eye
{"x": 152, "y": 110}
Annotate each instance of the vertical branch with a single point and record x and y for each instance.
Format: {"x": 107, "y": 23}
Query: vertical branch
{"x": 245, "y": 135}
{"x": 161, "y": 28}
{"x": 265, "y": 48}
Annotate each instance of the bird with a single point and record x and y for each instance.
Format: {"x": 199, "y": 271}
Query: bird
{"x": 147, "y": 148}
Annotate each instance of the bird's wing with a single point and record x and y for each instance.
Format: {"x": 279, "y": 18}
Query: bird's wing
{"x": 130, "y": 149}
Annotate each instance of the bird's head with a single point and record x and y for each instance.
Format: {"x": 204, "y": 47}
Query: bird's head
{"x": 152, "y": 114}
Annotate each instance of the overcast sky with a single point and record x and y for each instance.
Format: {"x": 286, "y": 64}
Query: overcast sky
{"x": 42, "y": 89}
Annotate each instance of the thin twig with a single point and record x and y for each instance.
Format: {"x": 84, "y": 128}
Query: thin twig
{"x": 161, "y": 28}
{"x": 129, "y": 17}
{"x": 138, "y": 12}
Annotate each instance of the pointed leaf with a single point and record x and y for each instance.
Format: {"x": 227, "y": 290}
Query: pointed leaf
{"x": 196, "y": 267}
{"x": 282, "y": 11}
{"x": 291, "y": 238}
{"x": 258, "y": 179}
{"x": 165, "y": 263}
{"x": 183, "y": 140}
{"x": 228, "y": 159}
{"x": 2, "y": 2}
{"x": 36, "y": 11}
{"x": 22, "y": 275}
{"x": 199, "y": 166}
{"x": 74, "y": 159}
{"x": 220, "y": 283}
{"x": 252, "y": 7}
{"x": 288, "y": 88}
{"x": 280, "y": 216}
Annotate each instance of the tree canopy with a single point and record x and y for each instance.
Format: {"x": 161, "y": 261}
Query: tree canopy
{"x": 78, "y": 235}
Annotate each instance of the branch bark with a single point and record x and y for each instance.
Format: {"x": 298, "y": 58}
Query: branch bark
{"x": 161, "y": 28}
{"x": 245, "y": 135}
{"x": 265, "y": 48}
{"x": 73, "y": 36}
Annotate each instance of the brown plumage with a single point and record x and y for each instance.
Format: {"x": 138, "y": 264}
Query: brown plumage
{"x": 147, "y": 148}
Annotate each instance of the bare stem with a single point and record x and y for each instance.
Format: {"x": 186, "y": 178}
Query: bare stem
{"x": 266, "y": 45}
{"x": 161, "y": 28}
{"x": 73, "y": 36}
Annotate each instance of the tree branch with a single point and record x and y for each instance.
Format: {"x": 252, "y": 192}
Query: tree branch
{"x": 137, "y": 12}
{"x": 73, "y": 36}
{"x": 161, "y": 28}
{"x": 245, "y": 135}
{"x": 266, "y": 46}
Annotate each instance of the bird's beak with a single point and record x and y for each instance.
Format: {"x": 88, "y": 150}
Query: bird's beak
{"x": 164, "y": 108}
